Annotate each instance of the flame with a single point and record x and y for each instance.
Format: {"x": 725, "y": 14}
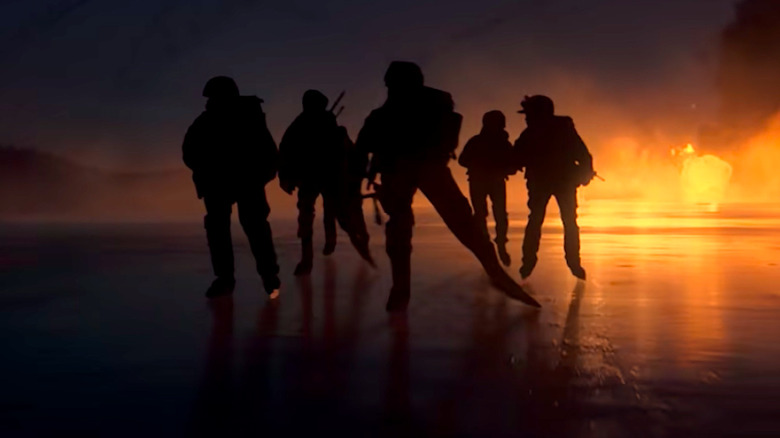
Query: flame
{"x": 704, "y": 179}
{"x": 757, "y": 163}
{"x": 658, "y": 169}
{"x": 683, "y": 176}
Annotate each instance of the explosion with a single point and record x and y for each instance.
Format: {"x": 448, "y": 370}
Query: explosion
{"x": 638, "y": 171}
{"x": 704, "y": 179}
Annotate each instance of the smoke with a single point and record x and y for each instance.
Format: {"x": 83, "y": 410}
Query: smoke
{"x": 749, "y": 66}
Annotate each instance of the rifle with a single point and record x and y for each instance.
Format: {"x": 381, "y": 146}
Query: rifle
{"x": 374, "y": 197}
{"x": 332, "y": 109}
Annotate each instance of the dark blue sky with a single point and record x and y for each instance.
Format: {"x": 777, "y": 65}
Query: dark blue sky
{"x": 118, "y": 82}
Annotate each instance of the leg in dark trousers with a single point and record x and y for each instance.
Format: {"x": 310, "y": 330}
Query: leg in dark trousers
{"x": 330, "y": 208}
{"x": 567, "y": 204}
{"x": 217, "y": 224}
{"x": 478, "y": 194}
{"x": 307, "y": 196}
{"x": 350, "y": 218}
{"x": 253, "y": 214}
{"x": 497, "y": 193}
{"x": 396, "y": 196}
{"x": 537, "y": 204}
{"x": 438, "y": 185}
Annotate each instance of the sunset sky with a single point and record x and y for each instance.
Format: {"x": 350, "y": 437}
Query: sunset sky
{"x": 117, "y": 83}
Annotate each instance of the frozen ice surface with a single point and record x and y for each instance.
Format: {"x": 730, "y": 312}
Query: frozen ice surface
{"x": 105, "y": 331}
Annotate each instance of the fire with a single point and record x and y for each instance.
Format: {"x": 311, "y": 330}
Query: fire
{"x": 683, "y": 176}
{"x": 704, "y": 179}
{"x": 757, "y": 162}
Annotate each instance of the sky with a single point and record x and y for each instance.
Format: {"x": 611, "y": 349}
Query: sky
{"x": 116, "y": 84}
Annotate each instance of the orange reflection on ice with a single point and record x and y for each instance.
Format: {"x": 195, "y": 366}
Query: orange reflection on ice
{"x": 677, "y": 269}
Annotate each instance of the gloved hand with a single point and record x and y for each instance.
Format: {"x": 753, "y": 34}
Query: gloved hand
{"x": 371, "y": 181}
{"x": 586, "y": 177}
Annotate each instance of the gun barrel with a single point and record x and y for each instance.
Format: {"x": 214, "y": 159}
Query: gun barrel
{"x": 337, "y": 101}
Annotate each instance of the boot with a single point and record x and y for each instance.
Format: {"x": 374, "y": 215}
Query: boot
{"x": 503, "y": 254}
{"x": 307, "y": 257}
{"x": 220, "y": 287}
{"x": 529, "y": 263}
{"x": 361, "y": 245}
{"x": 398, "y": 300}
{"x": 271, "y": 284}
{"x": 525, "y": 271}
{"x": 578, "y": 271}
{"x": 330, "y": 247}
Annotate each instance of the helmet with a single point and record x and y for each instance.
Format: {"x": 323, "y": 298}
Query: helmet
{"x": 403, "y": 74}
{"x": 220, "y": 86}
{"x": 537, "y": 105}
{"x": 314, "y": 100}
{"x": 494, "y": 119}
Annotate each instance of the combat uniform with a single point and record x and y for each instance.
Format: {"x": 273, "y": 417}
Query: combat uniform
{"x": 316, "y": 156}
{"x": 556, "y": 162}
{"x": 411, "y": 139}
{"x": 487, "y": 156}
{"x": 233, "y": 156}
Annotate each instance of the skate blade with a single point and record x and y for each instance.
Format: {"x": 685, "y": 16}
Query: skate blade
{"x": 524, "y": 298}
{"x": 516, "y": 292}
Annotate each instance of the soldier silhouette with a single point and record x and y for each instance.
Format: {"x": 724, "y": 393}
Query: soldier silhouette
{"x": 412, "y": 137}
{"x": 233, "y": 156}
{"x": 556, "y": 162}
{"x": 488, "y": 158}
{"x": 318, "y": 158}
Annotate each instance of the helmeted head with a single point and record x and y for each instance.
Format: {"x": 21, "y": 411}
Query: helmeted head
{"x": 404, "y": 75}
{"x": 220, "y": 86}
{"x": 537, "y": 107}
{"x": 494, "y": 120}
{"x": 314, "y": 100}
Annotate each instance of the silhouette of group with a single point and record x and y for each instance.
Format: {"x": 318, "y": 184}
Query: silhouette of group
{"x": 404, "y": 145}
